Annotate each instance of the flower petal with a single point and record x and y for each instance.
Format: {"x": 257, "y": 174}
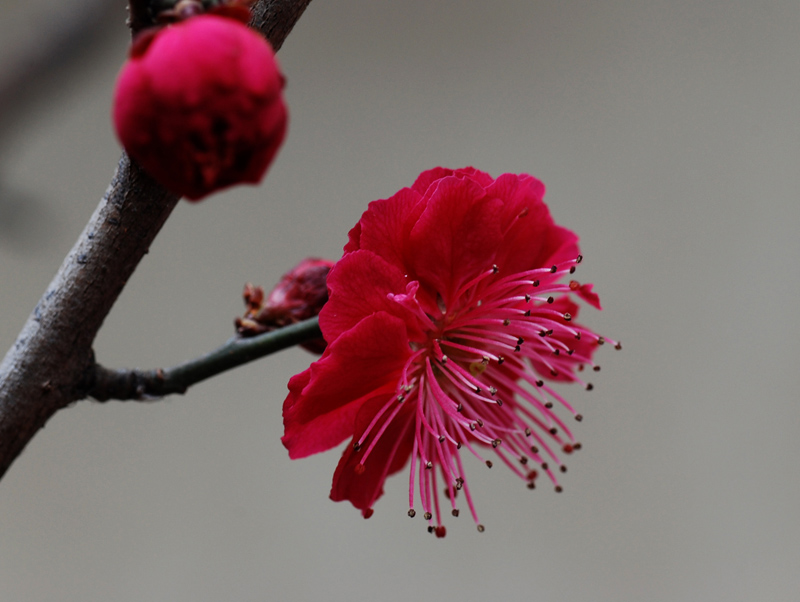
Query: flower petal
{"x": 456, "y": 236}
{"x": 358, "y": 287}
{"x": 362, "y": 364}
{"x": 363, "y": 484}
{"x": 530, "y": 235}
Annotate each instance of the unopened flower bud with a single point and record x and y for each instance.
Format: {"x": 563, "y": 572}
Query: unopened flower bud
{"x": 298, "y": 296}
{"x": 199, "y": 105}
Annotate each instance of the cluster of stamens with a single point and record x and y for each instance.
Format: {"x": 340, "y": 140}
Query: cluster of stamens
{"x": 473, "y": 380}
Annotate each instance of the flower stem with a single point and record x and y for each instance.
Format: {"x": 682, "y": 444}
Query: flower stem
{"x": 148, "y": 385}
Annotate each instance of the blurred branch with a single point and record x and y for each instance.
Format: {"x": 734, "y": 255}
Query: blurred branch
{"x": 51, "y": 364}
{"x": 145, "y": 385}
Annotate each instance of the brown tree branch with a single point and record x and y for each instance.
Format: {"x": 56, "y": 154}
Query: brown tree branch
{"x": 51, "y": 364}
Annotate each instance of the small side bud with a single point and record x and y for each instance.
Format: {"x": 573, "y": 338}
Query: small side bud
{"x": 300, "y": 295}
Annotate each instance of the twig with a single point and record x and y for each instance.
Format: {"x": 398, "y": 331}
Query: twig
{"x": 146, "y": 385}
{"x": 51, "y": 363}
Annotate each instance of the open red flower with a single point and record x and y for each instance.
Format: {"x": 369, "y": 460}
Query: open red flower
{"x": 199, "y": 105}
{"x": 449, "y": 313}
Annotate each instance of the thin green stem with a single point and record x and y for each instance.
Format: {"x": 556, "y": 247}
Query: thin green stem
{"x": 144, "y": 385}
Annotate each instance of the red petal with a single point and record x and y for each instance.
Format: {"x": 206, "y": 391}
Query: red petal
{"x": 585, "y": 292}
{"x": 386, "y": 225}
{"x": 358, "y": 286}
{"x": 456, "y": 236}
{"x": 426, "y": 178}
{"x": 362, "y": 364}
{"x": 363, "y": 485}
{"x": 531, "y": 237}
{"x": 353, "y": 239}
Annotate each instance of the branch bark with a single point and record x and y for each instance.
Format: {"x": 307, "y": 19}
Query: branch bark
{"x": 51, "y": 364}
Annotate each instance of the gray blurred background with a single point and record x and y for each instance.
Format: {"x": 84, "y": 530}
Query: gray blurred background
{"x": 668, "y": 135}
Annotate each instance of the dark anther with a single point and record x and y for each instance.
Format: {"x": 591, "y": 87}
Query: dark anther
{"x": 549, "y": 405}
{"x": 578, "y": 417}
{"x": 553, "y": 431}
{"x": 441, "y": 438}
{"x": 459, "y": 483}
{"x": 576, "y": 446}
{"x": 553, "y": 372}
{"x": 496, "y": 442}
{"x": 459, "y": 407}
{"x": 401, "y": 398}
{"x": 431, "y": 529}
{"x": 563, "y": 468}
{"x": 495, "y": 269}
{"x": 542, "y": 333}
{"x": 489, "y": 463}
{"x": 527, "y": 298}
{"x": 554, "y": 269}
{"x": 481, "y": 528}
{"x": 480, "y": 422}
{"x": 454, "y": 512}
{"x": 520, "y": 341}
{"x": 506, "y": 322}
{"x": 523, "y": 460}
{"x": 492, "y": 391}
{"x": 444, "y": 359}
{"x": 570, "y": 352}
{"x": 596, "y": 368}
{"x": 412, "y": 513}
{"x": 578, "y": 335}
{"x": 501, "y": 359}
{"x": 539, "y": 383}
{"x": 544, "y": 465}
{"x": 356, "y": 446}
{"x": 572, "y": 270}
{"x": 485, "y": 360}
{"x": 427, "y": 516}
{"x": 579, "y": 258}
{"x": 472, "y": 426}
{"x": 534, "y": 449}
{"x": 458, "y": 445}
{"x": 527, "y": 432}
{"x": 567, "y": 317}
{"x": 618, "y": 346}
{"x": 559, "y": 489}
{"x": 589, "y": 386}
{"x": 550, "y": 299}
{"x": 527, "y": 314}
{"x": 600, "y": 340}
{"x": 557, "y": 352}
{"x": 499, "y": 403}
{"x": 517, "y": 348}
{"x": 535, "y": 283}
{"x": 531, "y": 485}
{"x": 428, "y": 465}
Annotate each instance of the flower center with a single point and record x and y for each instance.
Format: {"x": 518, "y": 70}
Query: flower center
{"x": 473, "y": 382}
